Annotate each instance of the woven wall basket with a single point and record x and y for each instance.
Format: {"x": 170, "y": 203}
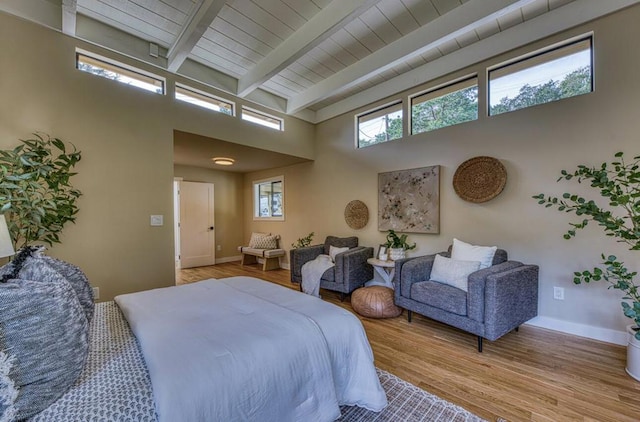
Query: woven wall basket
{"x": 479, "y": 179}
{"x": 356, "y": 214}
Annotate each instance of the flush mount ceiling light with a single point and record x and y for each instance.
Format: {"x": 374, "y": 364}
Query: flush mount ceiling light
{"x": 223, "y": 161}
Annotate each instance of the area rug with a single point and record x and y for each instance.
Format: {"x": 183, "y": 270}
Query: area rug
{"x": 408, "y": 403}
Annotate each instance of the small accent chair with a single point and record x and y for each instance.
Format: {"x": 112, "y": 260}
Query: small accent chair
{"x": 498, "y": 300}
{"x": 350, "y": 271}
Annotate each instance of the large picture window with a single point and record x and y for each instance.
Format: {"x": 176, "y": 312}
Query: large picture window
{"x": 268, "y": 199}
{"x": 380, "y": 125}
{"x": 447, "y": 105}
{"x": 550, "y": 75}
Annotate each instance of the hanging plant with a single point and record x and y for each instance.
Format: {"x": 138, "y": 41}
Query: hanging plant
{"x": 36, "y": 194}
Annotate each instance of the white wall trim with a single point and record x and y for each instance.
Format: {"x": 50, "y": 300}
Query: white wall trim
{"x": 582, "y": 330}
{"x": 229, "y": 259}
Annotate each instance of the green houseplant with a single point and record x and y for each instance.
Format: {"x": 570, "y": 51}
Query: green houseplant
{"x": 398, "y": 244}
{"x": 618, "y": 183}
{"x": 303, "y": 241}
{"x": 36, "y": 194}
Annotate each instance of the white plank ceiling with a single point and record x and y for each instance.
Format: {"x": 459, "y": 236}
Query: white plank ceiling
{"x": 323, "y": 57}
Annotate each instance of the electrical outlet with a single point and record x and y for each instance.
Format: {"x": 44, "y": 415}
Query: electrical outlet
{"x": 558, "y": 293}
{"x": 218, "y": 248}
{"x": 96, "y": 293}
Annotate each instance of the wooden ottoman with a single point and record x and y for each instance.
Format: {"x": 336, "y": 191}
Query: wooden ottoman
{"x": 375, "y": 302}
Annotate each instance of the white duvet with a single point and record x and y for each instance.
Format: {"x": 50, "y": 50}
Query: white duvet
{"x": 242, "y": 349}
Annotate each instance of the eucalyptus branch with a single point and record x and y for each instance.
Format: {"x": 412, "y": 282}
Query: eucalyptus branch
{"x": 619, "y": 184}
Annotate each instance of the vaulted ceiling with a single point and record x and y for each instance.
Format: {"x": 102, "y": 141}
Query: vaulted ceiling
{"x": 312, "y": 58}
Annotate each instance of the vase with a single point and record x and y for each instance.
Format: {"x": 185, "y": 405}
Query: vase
{"x": 397, "y": 253}
{"x": 633, "y": 353}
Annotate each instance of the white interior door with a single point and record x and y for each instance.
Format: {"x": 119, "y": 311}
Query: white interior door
{"x": 197, "y": 229}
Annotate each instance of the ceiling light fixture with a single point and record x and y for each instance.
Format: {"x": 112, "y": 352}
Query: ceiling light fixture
{"x": 223, "y": 161}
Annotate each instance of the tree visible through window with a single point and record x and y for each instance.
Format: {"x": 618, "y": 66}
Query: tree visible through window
{"x": 549, "y": 76}
{"x": 446, "y": 106}
{"x": 380, "y": 125}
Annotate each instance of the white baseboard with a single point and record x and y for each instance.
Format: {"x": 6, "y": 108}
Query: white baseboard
{"x": 229, "y": 259}
{"x": 596, "y": 333}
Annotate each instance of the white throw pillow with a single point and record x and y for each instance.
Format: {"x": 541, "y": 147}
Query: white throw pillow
{"x": 453, "y": 272}
{"x": 465, "y": 252}
{"x": 333, "y": 251}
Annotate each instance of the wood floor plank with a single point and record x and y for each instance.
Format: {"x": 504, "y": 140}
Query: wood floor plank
{"x": 531, "y": 375}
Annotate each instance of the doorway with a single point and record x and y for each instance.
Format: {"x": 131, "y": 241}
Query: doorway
{"x": 195, "y": 224}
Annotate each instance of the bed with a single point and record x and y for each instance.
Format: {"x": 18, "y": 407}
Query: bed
{"x": 253, "y": 350}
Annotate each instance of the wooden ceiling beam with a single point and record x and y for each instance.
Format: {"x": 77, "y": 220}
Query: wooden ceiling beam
{"x": 69, "y": 10}
{"x": 197, "y": 23}
{"x": 445, "y": 28}
{"x": 325, "y": 23}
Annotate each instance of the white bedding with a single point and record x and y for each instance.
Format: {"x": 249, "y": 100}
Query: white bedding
{"x": 241, "y": 349}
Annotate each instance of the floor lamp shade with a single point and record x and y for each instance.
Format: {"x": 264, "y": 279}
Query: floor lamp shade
{"x": 6, "y": 246}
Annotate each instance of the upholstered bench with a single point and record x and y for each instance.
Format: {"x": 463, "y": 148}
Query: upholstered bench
{"x": 271, "y": 257}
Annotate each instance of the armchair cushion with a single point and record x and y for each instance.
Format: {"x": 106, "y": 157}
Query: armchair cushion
{"x": 453, "y": 272}
{"x": 441, "y": 296}
{"x": 467, "y": 252}
{"x": 339, "y": 242}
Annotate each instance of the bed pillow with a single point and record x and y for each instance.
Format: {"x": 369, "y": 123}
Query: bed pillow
{"x": 71, "y": 273}
{"x": 333, "y": 251}
{"x": 453, "y": 272}
{"x": 466, "y": 252}
{"x": 45, "y": 334}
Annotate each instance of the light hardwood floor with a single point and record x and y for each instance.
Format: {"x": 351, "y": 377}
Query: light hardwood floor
{"x": 530, "y": 375}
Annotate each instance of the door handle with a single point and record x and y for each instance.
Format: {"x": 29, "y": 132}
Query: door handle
{"x": 211, "y": 228}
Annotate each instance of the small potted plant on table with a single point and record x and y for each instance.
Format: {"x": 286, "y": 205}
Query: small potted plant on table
{"x": 398, "y": 245}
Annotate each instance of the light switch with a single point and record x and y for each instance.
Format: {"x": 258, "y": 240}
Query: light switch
{"x": 156, "y": 220}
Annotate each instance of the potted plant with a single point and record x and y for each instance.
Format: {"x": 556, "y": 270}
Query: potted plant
{"x": 618, "y": 183}
{"x": 397, "y": 245}
{"x": 36, "y": 195}
{"x": 303, "y": 241}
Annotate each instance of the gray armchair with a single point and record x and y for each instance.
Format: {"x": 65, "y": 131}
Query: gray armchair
{"x": 350, "y": 271}
{"x": 498, "y": 300}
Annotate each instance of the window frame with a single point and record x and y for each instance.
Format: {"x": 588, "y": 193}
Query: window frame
{"x": 114, "y": 66}
{"x": 449, "y": 88}
{"x": 539, "y": 53}
{"x": 206, "y": 96}
{"x": 256, "y": 199}
{"x": 378, "y": 110}
{"x": 261, "y": 114}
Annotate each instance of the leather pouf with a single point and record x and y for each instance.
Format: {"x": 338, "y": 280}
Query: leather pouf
{"x": 375, "y": 302}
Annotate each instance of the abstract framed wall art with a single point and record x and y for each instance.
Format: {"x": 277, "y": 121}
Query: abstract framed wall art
{"x": 409, "y": 200}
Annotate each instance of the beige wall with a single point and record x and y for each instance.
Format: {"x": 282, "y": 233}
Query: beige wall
{"x": 126, "y": 137}
{"x": 229, "y": 201}
{"x": 534, "y": 145}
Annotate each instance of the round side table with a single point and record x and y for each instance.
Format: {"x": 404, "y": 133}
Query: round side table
{"x": 383, "y": 273}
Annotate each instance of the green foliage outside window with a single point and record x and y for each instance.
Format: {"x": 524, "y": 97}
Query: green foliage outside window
{"x": 450, "y": 109}
{"x": 575, "y": 83}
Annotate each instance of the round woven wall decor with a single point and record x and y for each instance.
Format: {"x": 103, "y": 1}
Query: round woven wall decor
{"x": 356, "y": 214}
{"x": 479, "y": 179}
